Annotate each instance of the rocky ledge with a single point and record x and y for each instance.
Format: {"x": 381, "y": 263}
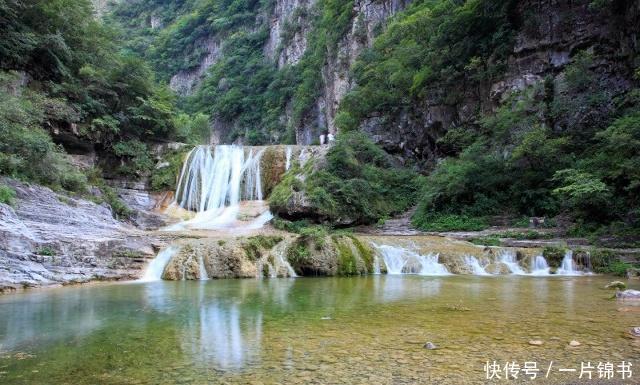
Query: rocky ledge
{"x": 48, "y": 238}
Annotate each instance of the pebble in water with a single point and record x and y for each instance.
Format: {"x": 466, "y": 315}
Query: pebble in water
{"x": 535, "y": 342}
{"x": 430, "y": 346}
{"x": 574, "y": 343}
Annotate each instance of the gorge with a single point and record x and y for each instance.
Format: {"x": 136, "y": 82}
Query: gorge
{"x": 319, "y": 191}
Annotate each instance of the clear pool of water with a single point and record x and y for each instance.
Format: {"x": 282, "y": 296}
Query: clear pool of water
{"x": 368, "y": 330}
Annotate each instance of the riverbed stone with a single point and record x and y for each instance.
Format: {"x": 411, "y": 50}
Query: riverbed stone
{"x": 497, "y": 268}
{"x": 628, "y": 295}
{"x": 633, "y": 273}
{"x": 616, "y": 285}
{"x": 536, "y": 342}
{"x": 430, "y": 346}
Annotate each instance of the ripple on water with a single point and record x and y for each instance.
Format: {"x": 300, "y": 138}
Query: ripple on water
{"x": 272, "y": 331}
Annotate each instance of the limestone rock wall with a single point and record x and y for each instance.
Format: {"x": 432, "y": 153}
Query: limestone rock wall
{"x": 49, "y": 239}
{"x": 550, "y": 35}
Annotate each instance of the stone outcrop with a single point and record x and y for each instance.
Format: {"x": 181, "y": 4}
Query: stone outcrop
{"x": 48, "y": 238}
{"x": 550, "y": 35}
{"x": 270, "y": 256}
{"x": 184, "y": 82}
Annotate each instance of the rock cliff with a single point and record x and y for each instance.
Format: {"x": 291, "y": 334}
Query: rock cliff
{"x": 48, "y": 238}
{"x": 549, "y": 35}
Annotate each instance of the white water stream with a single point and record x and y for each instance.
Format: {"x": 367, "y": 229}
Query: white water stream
{"x": 156, "y": 266}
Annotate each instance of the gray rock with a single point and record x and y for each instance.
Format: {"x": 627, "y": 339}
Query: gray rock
{"x": 430, "y": 346}
{"x": 617, "y": 285}
{"x": 50, "y": 239}
{"x": 628, "y": 295}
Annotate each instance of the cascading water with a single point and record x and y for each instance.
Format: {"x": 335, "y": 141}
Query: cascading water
{"x": 376, "y": 264}
{"x": 473, "y": 264}
{"x": 212, "y": 183}
{"x": 540, "y": 266}
{"x": 202, "y": 269}
{"x": 430, "y": 265}
{"x": 393, "y": 258}
{"x": 156, "y": 267}
{"x": 287, "y": 164}
{"x": 399, "y": 260}
{"x": 509, "y": 258}
{"x": 568, "y": 267}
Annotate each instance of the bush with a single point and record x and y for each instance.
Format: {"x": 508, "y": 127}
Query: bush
{"x": 165, "y": 178}
{"x": 135, "y": 155}
{"x": 26, "y": 150}
{"x": 449, "y": 222}
{"x": 359, "y": 184}
{"x": 7, "y": 195}
{"x": 553, "y": 255}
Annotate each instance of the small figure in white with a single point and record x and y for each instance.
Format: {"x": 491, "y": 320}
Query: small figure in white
{"x": 322, "y": 139}
{"x": 331, "y": 138}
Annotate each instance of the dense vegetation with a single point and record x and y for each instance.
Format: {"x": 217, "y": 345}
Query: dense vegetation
{"x": 566, "y": 146}
{"x": 452, "y": 43}
{"x": 535, "y": 157}
{"x": 358, "y": 184}
{"x": 63, "y": 74}
{"x": 244, "y": 90}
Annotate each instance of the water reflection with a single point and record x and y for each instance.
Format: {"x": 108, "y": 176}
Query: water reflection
{"x": 243, "y": 325}
{"x": 227, "y": 337}
{"x": 39, "y": 318}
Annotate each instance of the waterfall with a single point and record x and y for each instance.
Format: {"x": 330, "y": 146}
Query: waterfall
{"x": 214, "y": 180}
{"x": 202, "y": 269}
{"x": 393, "y": 258}
{"x": 473, "y": 263}
{"x": 287, "y": 165}
{"x": 430, "y": 265}
{"x": 376, "y": 263}
{"x": 279, "y": 262}
{"x": 399, "y": 260}
{"x": 156, "y": 267}
{"x": 276, "y": 263}
{"x": 508, "y": 257}
{"x": 568, "y": 267}
{"x": 539, "y": 266}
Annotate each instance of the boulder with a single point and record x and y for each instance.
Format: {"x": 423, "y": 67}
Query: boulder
{"x": 497, "y": 268}
{"x": 616, "y": 285}
{"x": 633, "y": 273}
{"x": 628, "y": 295}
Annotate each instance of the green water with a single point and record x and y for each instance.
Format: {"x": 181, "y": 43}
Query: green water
{"x": 273, "y": 331}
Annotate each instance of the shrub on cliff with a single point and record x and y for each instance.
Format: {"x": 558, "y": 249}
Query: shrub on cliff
{"x": 26, "y": 150}
{"x": 356, "y": 184}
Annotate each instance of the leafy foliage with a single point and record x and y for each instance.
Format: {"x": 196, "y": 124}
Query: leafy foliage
{"x": 7, "y": 195}
{"x": 79, "y": 81}
{"x": 535, "y": 157}
{"x": 441, "y": 42}
{"x": 358, "y": 184}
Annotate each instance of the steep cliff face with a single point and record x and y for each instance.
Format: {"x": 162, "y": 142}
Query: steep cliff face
{"x": 549, "y": 36}
{"x": 288, "y": 28}
{"x": 293, "y": 21}
{"x": 185, "y": 81}
{"x": 186, "y": 41}
{"x": 369, "y": 17}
